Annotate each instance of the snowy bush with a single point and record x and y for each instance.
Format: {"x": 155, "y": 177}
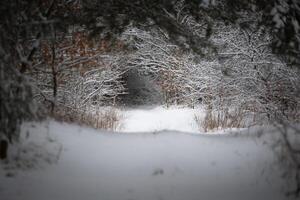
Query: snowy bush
{"x": 245, "y": 76}
{"x": 250, "y": 76}
{"x": 105, "y": 118}
{"x": 94, "y": 88}
{"x": 221, "y": 119}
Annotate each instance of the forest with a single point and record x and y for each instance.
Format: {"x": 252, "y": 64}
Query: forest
{"x": 225, "y": 65}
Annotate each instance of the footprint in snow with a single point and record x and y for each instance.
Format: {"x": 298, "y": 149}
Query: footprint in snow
{"x": 158, "y": 171}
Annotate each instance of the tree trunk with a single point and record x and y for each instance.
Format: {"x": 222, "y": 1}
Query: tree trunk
{"x": 3, "y": 149}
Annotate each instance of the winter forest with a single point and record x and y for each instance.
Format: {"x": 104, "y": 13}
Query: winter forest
{"x": 149, "y": 99}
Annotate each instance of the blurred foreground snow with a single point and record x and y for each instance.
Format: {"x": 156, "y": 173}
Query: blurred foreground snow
{"x": 57, "y": 161}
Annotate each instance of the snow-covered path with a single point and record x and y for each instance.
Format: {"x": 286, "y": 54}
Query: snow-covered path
{"x": 160, "y": 118}
{"x": 167, "y": 165}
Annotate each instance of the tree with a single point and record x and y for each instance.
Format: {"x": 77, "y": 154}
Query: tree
{"x": 20, "y": 31}
{"x": 281, "y": 17}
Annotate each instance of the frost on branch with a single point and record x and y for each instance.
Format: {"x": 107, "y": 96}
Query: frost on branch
{"x": 94, "y": 88}
{"x": 254, "y": 77}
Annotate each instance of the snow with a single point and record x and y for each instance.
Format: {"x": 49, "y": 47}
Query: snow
{"x": 150, "y": 119}
{"x": 69, "y": 162}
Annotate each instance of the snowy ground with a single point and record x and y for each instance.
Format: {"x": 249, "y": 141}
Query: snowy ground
{"x": 68, "y": 162}
{"x": 150, "y": 119}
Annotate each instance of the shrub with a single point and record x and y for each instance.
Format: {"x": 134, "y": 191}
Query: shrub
{"x": 221, "y": 119}
{"x": 107, "y": 119}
